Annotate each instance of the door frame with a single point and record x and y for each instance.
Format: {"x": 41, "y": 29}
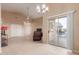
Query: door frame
{"x": 64, "y": 14}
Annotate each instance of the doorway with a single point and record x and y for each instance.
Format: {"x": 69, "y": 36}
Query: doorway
{"x": 60, "y": 32}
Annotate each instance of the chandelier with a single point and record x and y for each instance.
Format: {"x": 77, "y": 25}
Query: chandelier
{"x": 28, "y": 18}
{"x": 42, "y": 8}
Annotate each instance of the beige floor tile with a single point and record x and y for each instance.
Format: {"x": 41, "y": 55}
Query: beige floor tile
{"x": 23, "y": 46}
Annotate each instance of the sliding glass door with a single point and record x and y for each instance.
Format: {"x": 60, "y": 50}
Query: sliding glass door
{"x": 58, "y": 32}
{"x": 62, "y": 32}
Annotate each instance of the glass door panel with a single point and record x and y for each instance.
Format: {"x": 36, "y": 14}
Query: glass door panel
{"x": 52, "y": 32}
{"x": 62, "y": 32}
{"x": 58, "y": 32}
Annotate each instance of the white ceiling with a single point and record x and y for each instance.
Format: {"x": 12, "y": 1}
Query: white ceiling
{"x": 22, "y": 8}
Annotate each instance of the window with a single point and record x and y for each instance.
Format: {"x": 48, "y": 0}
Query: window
{"x": 16, "y": 30}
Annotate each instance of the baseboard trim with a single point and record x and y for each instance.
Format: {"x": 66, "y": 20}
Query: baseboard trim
{"x": 76, "y": 51}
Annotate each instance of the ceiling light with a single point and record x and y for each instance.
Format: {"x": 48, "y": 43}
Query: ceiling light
{"x": 43, "y": 8}
{"x": 47, "y": 9}
{"x": 43, "y": 11}
{"x": 38, "y": 7}
{"x": 28, "y": 18}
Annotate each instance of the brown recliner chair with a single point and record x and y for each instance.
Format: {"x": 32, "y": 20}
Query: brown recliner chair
{"x": 37, "y": 35}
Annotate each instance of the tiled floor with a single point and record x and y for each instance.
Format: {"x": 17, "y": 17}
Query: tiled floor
{"x": 23, "y": 46}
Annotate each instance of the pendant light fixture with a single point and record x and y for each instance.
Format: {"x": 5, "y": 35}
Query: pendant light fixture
{"x": 28, "y": 18}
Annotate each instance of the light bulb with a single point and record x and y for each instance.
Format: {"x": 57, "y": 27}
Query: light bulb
{"x": 43, "y": 11}
{"x": 38, "y": 7}
{"x": 46, "y": 8}
{"x": 43, "y": 6}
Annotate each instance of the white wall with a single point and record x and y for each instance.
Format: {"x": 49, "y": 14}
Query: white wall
{"x": 17, "y": 22}
{"x": 12, "y": 19}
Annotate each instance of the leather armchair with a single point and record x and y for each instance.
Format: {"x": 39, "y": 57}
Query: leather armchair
{"x": 37, "y": 35}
